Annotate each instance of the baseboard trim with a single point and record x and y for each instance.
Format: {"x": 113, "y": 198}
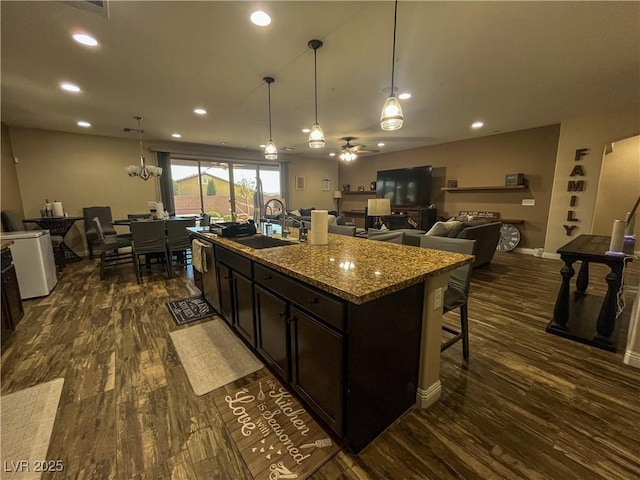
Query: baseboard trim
{"x": 426, "y": 398}
{"x": 529, "y": 251}
{"x": 632, "y": 358}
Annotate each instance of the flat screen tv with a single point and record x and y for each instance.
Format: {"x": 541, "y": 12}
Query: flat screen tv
{"x": 406, "y": 187}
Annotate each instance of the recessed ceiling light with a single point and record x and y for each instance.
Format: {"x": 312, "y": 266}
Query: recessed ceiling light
{"x": 286, "y": 149}
{"x": 262, "y": 145}
{"x": 85, "y": 39}
{"x": 176, "y": 135}
{"x": 477, "y": 125}
{"x": 200, "y": 111}
{"x": 381, "y": 144}
{"x": 332, "y": 154}
{"x": 306, "y": 130}
{"x": 83, "y": 124}
{"x": 260, "y": 18}
{"x": 70, "y": 87}
{"x": 404, "y": 96}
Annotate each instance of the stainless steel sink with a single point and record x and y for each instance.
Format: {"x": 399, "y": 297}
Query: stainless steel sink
{"x": 261, "y": 241}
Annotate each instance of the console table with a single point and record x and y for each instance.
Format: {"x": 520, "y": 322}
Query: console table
{"x": 574, "y": 316}
{"x": 58, "y": 226}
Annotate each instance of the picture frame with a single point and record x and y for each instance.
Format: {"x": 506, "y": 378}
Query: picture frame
{"x": 326, "y": 184}
{"x": 301, "y": 183}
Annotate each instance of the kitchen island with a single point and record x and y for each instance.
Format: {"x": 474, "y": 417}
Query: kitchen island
{"x": 350, "y": 326}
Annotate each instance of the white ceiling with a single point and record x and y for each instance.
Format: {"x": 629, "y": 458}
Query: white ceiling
{"x": 513, "y": 65}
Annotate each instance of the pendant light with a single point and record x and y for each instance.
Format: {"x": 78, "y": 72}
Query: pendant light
{"x": 143, "y": 171}
{"x": 270, "y": 151}
{"x": 316, "y": 136}
{"x": 391, "y": 117}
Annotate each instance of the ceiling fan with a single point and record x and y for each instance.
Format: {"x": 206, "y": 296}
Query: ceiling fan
{"x": 350, "y": 152}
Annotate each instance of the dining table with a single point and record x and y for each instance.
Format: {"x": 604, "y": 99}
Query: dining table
{"x": 59, "y": 226}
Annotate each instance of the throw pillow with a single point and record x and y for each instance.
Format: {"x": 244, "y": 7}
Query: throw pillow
{"x": 306, "y": 212}
{"x": 295, "y": 213}
{"x": 341, "y": 220}
{"x": 331, "y": 219}
{"x": 442, "y": 229}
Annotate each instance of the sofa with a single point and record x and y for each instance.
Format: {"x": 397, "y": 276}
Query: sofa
{"x": 486, "y": 234}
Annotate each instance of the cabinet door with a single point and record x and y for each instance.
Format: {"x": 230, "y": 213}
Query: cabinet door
{"x": 273, "y": 331}
{"x": 11, "y": 297}
{"x": 226, "y": 297}
{"x": 317, "y": 367}
{"x": 243, "y": 303}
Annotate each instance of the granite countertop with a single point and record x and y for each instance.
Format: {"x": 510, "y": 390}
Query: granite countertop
{"x": 5, "y": 244}
{"x": 355, "y": 269}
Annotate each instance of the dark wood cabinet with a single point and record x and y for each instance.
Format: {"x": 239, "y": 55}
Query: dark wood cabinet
{"x": 317, "y": 367}
{"x": 243, "y": 307}
{"x": 272, "y": 323}
{"x": 226, "y": 292}
{"x": 355, "y": 366}
{"x": 12, "y": 310}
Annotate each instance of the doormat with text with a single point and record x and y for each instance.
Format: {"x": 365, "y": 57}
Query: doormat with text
{"x": 276, "y": 436}
{"x": 190, "y": 309}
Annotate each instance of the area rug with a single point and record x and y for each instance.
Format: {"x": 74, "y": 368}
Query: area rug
{"x": 212, "y": 355}
{"x": 27, "y": 422}
{"x": 190, "y": 309}
{"x": 276, "y": 436}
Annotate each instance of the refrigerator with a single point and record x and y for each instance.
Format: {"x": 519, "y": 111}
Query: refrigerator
{"x": 32, "y": 254}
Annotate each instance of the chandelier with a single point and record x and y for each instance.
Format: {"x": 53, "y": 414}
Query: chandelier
{"x": 144, "y": 171}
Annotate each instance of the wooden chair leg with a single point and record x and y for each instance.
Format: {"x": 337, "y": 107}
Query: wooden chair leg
{"x": 464, "y": 326}
{"x": 136, "y": 267}
{"x": 103, "y": 258}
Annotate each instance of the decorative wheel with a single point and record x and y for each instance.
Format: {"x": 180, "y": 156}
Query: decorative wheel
{"x": 509, "y": 238}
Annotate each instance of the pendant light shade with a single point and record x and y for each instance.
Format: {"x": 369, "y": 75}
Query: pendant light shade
{"x": 391, "y": 117}
{"x": 270, "y": 151}
{"x": 316, "y": 136}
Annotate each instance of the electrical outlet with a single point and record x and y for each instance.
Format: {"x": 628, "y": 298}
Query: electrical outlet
{"x": 437, "y": 298}
{"x": 528, "y": 202}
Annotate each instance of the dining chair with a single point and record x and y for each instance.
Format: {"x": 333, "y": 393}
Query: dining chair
{"x": 457, "y": 292}
{"x": 150, "y": 241}
{"x": 114, "y": 249}
{"x": 178, "y": 241}
{"x": 13, "y": 223}
{"x": 106, "y": 221}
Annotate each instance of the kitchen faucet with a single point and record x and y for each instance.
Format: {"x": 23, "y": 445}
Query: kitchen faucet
{"x": 283, "y": 211}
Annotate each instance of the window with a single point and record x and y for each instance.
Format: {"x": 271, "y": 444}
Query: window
{"x": 205, "y": 186}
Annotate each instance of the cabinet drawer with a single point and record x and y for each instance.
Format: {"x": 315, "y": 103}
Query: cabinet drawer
{"x": 235, "y": 261}
{"x": 321, "y": 305}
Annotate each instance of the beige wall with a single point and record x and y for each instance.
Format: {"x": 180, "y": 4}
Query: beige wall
{"x": 314, "y": 171}
{"x": 9, "y": 190}
{"x": 619, "y": 185}
{"x": 477, "y": 162}
{"x": 593, "y": 133}
{"x": 79, "y": 171}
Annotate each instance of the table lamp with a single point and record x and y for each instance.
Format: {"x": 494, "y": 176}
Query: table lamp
{"x": 378, "y": 207}
{"x": 337, "y": 195}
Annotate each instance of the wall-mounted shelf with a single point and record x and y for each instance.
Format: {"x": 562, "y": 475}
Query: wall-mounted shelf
{"x": 368, "y": 192}
{"x": 512, "y": 221}
{"x": 469, "y": 189}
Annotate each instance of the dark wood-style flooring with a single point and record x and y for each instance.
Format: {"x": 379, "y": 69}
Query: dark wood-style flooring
{"x": 530, "y": 404}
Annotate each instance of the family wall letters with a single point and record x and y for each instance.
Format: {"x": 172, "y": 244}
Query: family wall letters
{"x": 575, "y": 186}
